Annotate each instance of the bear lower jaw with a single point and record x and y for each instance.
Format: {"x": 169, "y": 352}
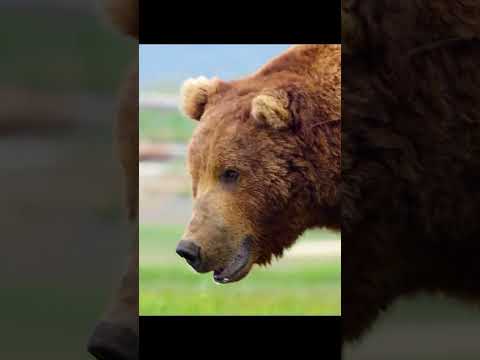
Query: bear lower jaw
{"x": 224, "y": 276}
{"x": 238, "y": 267}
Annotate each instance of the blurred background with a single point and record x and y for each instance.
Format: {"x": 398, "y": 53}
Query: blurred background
{"x": 64, "y": 235}
{"x": 305, "y": 281}
{"x": 421, "y": 327}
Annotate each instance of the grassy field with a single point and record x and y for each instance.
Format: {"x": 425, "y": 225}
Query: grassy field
{"x": 290, "y": 286}
{"x": 168, "y": 125}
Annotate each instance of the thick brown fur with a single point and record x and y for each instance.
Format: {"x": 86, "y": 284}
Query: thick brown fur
{"x": 391, "y": 27}
{"x": 411, "y": 155}
{"x": 280, "y": 129}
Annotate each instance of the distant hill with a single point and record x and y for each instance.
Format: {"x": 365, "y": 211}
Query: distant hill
{"x": 164, "y": 67}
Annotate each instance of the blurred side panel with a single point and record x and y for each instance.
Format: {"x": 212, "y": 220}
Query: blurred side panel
{"x": 63, "y": 222}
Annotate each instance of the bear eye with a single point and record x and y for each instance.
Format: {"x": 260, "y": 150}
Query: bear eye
{"x": 229, "y": 176}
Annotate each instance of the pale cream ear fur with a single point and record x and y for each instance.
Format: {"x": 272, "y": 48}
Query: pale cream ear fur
{"x": 271, "y": 108}
{"x": 194, "y": 96}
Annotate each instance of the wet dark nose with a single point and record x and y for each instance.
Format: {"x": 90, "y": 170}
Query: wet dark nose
{"x": 190, "y": 252}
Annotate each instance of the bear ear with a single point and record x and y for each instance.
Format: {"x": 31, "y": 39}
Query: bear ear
{"x": 271, "y": 108}
{"x": 194, "y": 96}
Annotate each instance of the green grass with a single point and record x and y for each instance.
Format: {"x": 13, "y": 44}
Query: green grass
{"x": 158, "y": 125}
{"x": 287, "y": 287}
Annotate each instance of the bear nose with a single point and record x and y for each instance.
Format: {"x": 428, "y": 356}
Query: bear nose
{"x": 190, "y": 252}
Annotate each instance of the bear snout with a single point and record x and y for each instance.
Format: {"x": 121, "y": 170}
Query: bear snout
{"x": 191, "y": 253}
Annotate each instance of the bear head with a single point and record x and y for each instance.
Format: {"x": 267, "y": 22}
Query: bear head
{"x": 260, "y": 176}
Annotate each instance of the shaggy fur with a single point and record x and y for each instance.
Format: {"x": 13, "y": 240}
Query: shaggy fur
{"x": 411, "y": 155}
{"x": 390, "y": 27}
{"x": 280, "y": 129}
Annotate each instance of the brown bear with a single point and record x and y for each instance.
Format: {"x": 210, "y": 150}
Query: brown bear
{"x": 411, "y": 154}
{"x": 264, "y": 160}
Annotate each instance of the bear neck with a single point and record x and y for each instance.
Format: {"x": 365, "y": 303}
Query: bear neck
{"x": 322, "y": 150}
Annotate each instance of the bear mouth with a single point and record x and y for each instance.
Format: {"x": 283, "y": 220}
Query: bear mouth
{"x": 238, "y": 267}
